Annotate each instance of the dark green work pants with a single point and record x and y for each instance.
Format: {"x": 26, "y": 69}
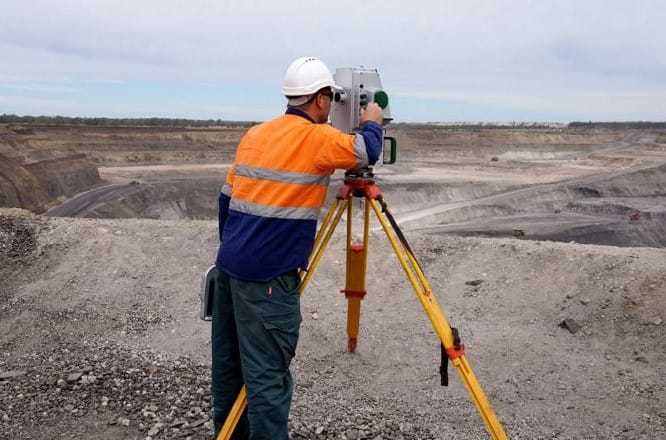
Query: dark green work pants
{"x": 254, "y": 335}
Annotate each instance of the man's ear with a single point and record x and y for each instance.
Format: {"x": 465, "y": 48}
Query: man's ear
{"x": 318, "y": 101}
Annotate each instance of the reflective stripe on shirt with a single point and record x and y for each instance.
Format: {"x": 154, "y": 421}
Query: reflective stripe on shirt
{"x": 274, "y": 211}
{"x": 360, "y": 151}
{"x": 226, "y": 190}
{"x": 282, "y": 176}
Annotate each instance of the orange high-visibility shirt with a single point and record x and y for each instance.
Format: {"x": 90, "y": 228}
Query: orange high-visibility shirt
{"x": 276, "y": 188}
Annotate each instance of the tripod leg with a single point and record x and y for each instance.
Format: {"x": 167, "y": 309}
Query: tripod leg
{"x": 234, "y": 415}
{"x": 322, "y": 239}
{"x": 429, "y": 302}
{"x": 355, "y": 286}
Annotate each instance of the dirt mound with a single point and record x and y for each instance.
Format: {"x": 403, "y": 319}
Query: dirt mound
{"x": 17, "y": 237}
{"x": 100, "y": 337}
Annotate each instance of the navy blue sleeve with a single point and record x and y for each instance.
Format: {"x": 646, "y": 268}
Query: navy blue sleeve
{"x": 223, "y": 212}
{"x": 373, "y": 135}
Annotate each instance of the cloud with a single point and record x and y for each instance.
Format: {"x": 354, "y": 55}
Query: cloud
{"x": 27, "y": 106}
{"x": 532, "y": 55}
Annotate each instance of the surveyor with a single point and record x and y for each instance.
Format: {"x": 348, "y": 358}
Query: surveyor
{"x": 268, "y": 211}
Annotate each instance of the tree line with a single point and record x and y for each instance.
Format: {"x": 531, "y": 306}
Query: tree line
{"x": 118, "y": 122}
{"x": 618, "y": 125}
{"x": 205, "y": 123}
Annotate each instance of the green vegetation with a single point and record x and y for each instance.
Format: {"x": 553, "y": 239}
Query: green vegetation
{"x": 528, "y": 125}
{"x": 211, "y": 123}
{"x": 121, "y": 122}
{"x": 618, "y": 125}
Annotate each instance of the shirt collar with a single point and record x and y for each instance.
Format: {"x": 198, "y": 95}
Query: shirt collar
{"x": 297, "y": 112}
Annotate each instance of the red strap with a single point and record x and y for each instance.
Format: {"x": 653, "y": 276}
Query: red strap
{"x": 454, "y": 352}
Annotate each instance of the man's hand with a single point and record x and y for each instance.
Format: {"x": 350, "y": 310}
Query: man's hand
{"x": 372, "y": 112}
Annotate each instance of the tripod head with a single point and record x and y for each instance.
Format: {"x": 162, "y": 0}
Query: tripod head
{"x": 361, "y": 86}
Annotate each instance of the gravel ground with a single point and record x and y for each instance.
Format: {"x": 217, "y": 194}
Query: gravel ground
{"x": 100, "y": 338}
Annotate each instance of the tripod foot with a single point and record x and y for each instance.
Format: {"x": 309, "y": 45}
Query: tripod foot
{"x": 351, "y": 343}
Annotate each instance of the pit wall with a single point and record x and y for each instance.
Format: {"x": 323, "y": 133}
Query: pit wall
{"x": 39, "y": 185}
{"x": 36, "y": 179}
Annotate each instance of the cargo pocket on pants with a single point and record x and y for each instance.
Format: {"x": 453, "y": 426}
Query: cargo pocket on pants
{"x": 284, "y": 329}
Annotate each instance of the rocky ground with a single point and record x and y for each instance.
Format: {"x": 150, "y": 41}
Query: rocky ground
{"x": 99, "y": 328}
{"x": 100, "y": 337}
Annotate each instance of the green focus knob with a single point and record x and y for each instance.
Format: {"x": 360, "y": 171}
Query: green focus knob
{"x": 381, "y": 98}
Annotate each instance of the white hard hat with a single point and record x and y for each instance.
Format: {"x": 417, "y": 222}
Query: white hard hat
{"x": 306, "y": 76}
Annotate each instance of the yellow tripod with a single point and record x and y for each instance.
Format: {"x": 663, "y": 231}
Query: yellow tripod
{"x": 361, "y": 184}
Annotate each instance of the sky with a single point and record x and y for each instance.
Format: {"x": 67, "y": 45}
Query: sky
{"x": 439, "y": 60}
